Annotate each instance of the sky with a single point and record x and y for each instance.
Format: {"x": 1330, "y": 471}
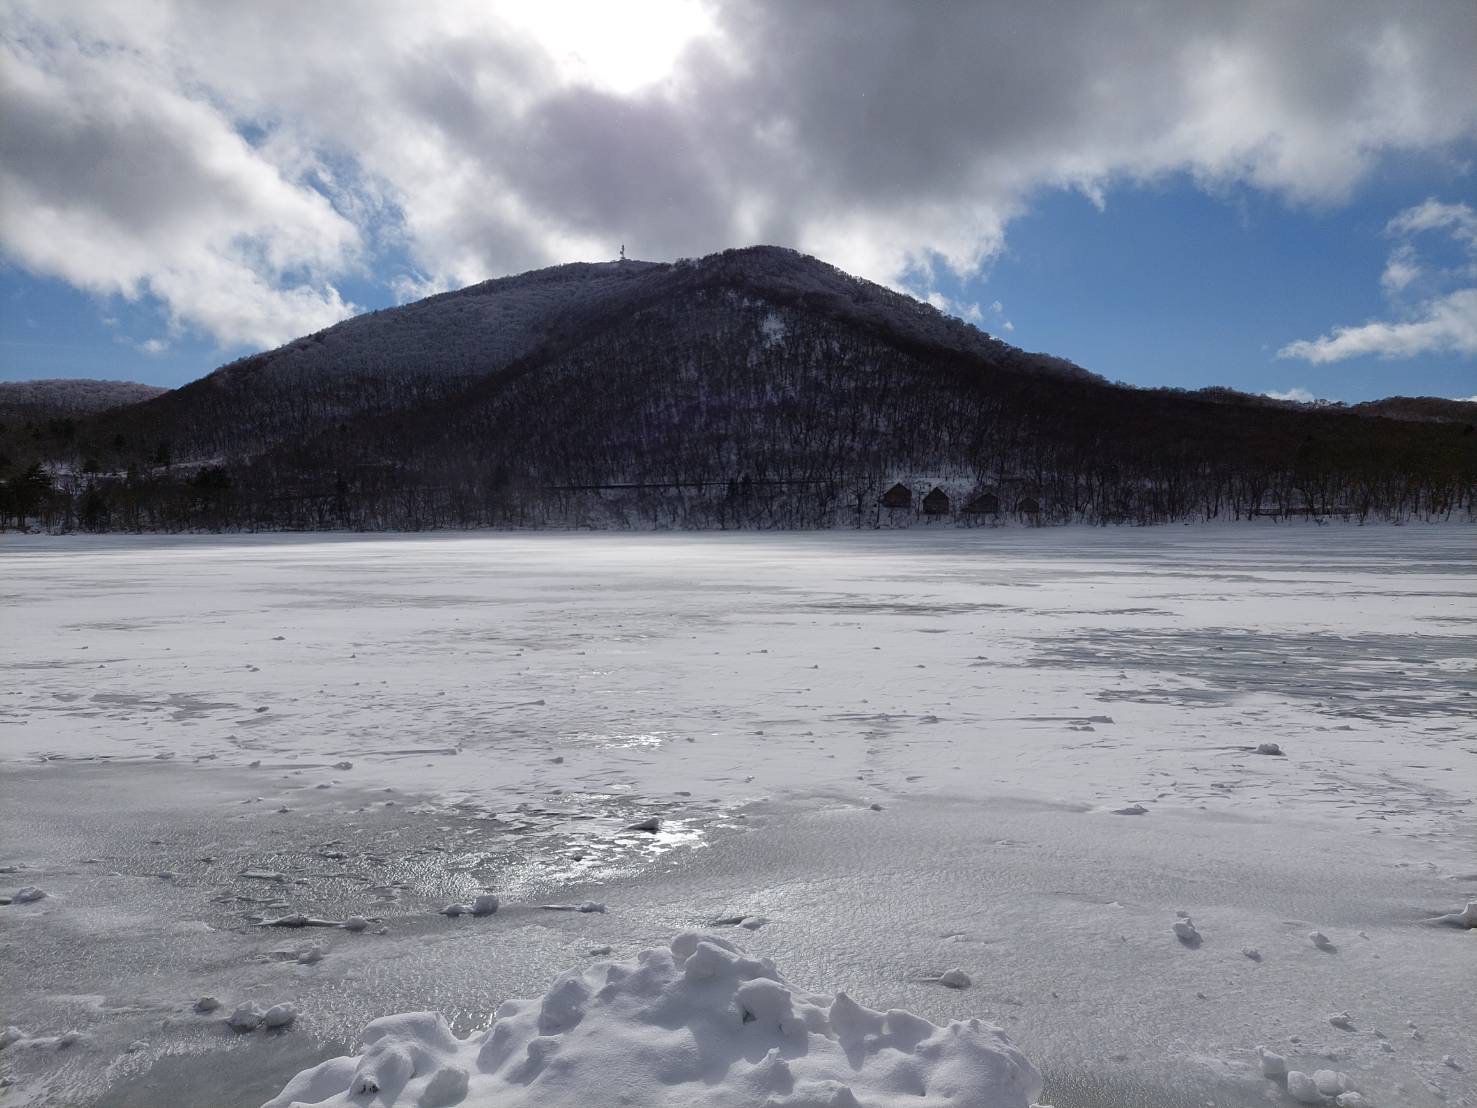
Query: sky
{"x": 1276, "y": 197}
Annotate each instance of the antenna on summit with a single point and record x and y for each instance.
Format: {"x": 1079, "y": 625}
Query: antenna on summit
{"x": 623, "y": 251}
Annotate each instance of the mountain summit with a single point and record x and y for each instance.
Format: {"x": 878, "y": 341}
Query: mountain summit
{"x": 755, "y": 387}
{"x": 484, "y": 328}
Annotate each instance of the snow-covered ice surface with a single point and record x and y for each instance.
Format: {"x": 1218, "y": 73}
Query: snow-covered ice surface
{"x": 896, "y": 755}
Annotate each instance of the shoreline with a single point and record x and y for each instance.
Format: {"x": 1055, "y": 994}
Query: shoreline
{"x": 920, "y": 526}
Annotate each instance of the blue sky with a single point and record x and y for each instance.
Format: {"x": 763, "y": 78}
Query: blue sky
{"x": 1278, "y": 198}
{"x": 49, "y": 328}
{"x": 1165, "y": 285}
{"x": 1168, "y": 285}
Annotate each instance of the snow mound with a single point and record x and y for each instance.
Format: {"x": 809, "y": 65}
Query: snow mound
{"x": 1273, "y": 1064}
{"x": 694, "y": 1023}
{"x": 248, "y": 1017}
{"x": 1467, "y": 917}
{"x": 279, "y": 1015}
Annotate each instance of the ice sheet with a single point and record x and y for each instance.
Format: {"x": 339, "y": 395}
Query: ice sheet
{"x": 998, "y": 696}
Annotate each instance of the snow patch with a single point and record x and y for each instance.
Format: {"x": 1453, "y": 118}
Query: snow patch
{"x": 694, "y": 1023}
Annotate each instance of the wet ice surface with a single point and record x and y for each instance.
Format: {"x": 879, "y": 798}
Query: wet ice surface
{"x": 160, "y": 878}
{"x": 998, "y": 695}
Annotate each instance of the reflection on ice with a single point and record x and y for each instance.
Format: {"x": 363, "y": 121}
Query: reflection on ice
{"x": 620, "y": 741}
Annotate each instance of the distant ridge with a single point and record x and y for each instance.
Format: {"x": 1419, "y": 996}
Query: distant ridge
{"x": 56, "y": 396}
{"x": 1436, "y": 409}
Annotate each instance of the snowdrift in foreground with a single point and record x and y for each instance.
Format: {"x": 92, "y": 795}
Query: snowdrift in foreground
{"x": 698, "y": 1023}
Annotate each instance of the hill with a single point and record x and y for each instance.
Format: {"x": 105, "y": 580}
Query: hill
{"x": 66, "y": 396}
{"x": 755, "y": 387}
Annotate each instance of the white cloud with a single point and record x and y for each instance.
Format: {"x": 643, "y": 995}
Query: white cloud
{"x": 239, "y": 162}
{"x": 153, "y": 346}
{"x": 116, "y": 179}
{"x": 1466, "y": 399}
{"x": 1401, "y": 269}
{"x": 1444, "y": 322}
{"x": 1433, "y": 215}
{"x": 1298, "y": 394}
{"x": 999, "y": 309}
{"x": 1446, "y": 325}
{"x": 968, "y": 311}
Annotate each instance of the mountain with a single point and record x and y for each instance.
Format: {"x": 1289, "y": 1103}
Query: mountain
{"x": 389, "y": 362}
{"x": 753, "y": 388}
{"x": 61, "y": 397}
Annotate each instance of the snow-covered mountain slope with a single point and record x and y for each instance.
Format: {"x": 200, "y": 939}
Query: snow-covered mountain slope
{"x": 486, "y": 327}
{"x": 471, "y": 331}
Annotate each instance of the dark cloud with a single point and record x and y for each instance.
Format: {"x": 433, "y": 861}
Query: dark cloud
{"x": 881, "y": 135}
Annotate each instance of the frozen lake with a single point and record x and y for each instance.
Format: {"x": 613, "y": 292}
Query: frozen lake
{"x": 908, "y": 751}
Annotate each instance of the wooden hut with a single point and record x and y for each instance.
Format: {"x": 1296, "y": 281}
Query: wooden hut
{"x": 1028, "y": 506}
{"x": 936, "y": 503}
{"x": 899, "y": 496}
{"x": 983, "y": 504}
